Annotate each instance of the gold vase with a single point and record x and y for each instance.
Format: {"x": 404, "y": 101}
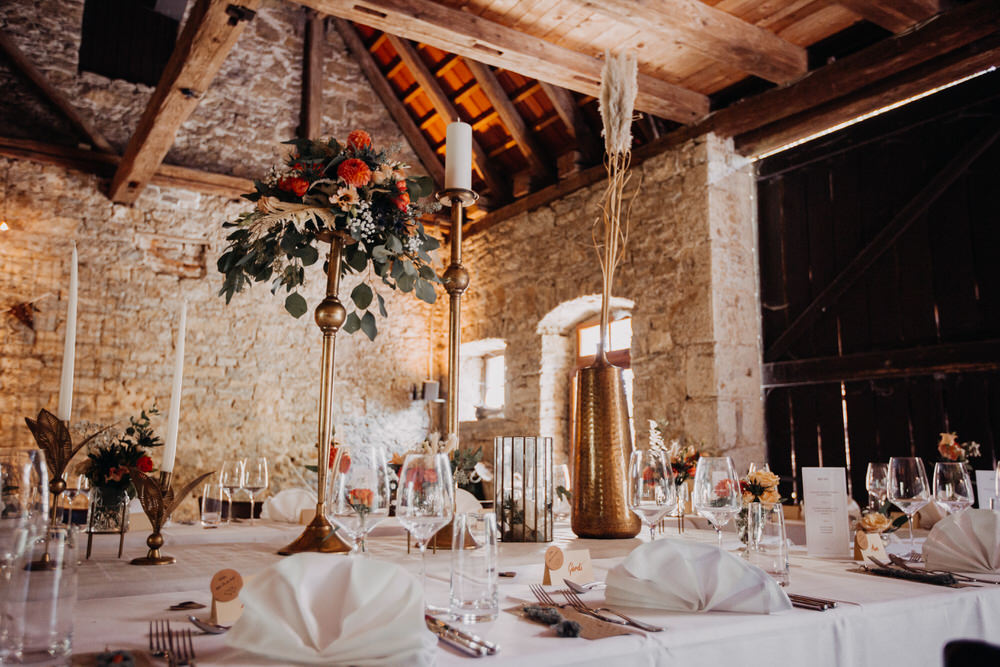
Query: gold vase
{"x": 602, "y": 443}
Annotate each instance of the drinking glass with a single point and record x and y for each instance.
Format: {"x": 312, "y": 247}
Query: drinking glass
{"x": 231, "y": 479}
{"x": 651, "y": 490}
{"x": 876, "y": 481}
{"x": 474, "y": 592}
{"x": 425, "y": 500}
{"x": 952, "y": 486}
{"x": 358, "y": 491}
{"x": 996, "y": 490}
{"x": 768, "y": 547}
{"x": 76, "y": 486}
{"x": 254, "y": 478}
{"x": 18, "y": 535}
{"x": 717, "y": 495}
{"x": 561, "y": 508}
{"x": 26, "y": 484}
{"x": 908, "y": 488}
{"x": 213, "y": 499}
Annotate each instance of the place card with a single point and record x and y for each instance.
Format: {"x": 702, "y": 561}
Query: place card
{"x": 226, "y": 605}
{"x": 825, "y": 501}
{"x": 572, "y": 565}
{"x": 869, "y": 546}
{"x": 986, "y": 483}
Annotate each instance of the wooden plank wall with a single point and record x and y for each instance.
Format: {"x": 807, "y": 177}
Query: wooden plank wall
{"x": 819, "y": 204}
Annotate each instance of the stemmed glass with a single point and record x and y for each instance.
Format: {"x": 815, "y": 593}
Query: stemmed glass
{"x": 561, "y": 508}
{"x": 717, "y": 495}
{"x": 908, "y": 488}
{"x": 231, "y": 479}
{"x": 651, "y": 490}
{"x": 254, "y": 478}
{"x": 876, "y": 480}
{"x": 952, "y": 486}
{"x": 425, "y": 500}
{"x": 82, "y": 487}
{"x": 358, "y": 497}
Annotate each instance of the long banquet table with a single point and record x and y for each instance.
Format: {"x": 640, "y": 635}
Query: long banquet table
{"x": 883, "y": 622}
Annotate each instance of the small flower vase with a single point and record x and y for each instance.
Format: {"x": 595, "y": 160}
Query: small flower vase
{"x": 108, "y": 511}
{"x": 749, "y": 530}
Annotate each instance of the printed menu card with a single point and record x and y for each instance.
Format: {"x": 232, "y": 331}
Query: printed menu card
{"x": 825, "y": 503}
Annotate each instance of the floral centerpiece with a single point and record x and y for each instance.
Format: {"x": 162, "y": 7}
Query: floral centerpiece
{"x": 759, "y": 486}
{"x": 351, "y": 191}
{"x": 683, "y": 457}
{"x": 951, "y": 449}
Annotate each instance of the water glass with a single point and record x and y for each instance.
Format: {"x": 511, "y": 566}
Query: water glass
{"x": 18, "y": 537}
{"x": 213, "y": 499}
{"x": 254, "y": 479}
{"x": 768, "y": 545}
{"x": 717, "y": 495}
{"x": 25, "y": 487}
{"x": 474, "y": 596}
{"x": 876, "y": 481}
{"x": 425, "y": 500}
{"x": 952, "y": 486}
{"x": 907, "y": 488}
{"x": 651, "y": 490}
{"x": 41, "y": 599}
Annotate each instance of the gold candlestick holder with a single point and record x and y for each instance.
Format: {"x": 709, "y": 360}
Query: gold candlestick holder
{"x": 159, "y": 501}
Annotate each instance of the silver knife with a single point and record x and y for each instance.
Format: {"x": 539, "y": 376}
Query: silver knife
{"x": 463, "y": 641}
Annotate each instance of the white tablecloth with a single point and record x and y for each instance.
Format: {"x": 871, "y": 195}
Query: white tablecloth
{"x": 892, "y": 623}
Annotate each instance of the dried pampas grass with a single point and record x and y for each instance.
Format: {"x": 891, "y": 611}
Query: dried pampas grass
{"x": 619, "y": 85}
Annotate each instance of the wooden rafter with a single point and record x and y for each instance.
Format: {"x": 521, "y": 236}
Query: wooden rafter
{"x": 312, "y": 76}
{"x": 510, "y": 117}
{"x": 209, "y": 34}
{"x": 426, "y": 154}
{"x": 572, "y": 117}
{"x": 480, "y": 39}
{"x": 711, "y": 32}
{"x": 894, "y": 15}
{"x": 103, "y": 164}
{"x": 895, "y": 228}
{"x": 83, "y": 126}
{"x": 446, "y": 109}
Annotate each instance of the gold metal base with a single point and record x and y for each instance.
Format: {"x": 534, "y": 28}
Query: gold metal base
{"x": 45, "y": 563}
{"x": 318, "y": 536}
{"x": 153, "y": 558}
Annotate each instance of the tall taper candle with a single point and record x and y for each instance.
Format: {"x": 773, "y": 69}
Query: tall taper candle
{"x": 69, "y": 347}
{"x": 458, "y": 156}
{"x": 170, "y": 443}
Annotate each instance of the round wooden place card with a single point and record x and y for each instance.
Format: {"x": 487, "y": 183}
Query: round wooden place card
{"x": 553, "y": 558}
{"x": 226, "y": 585}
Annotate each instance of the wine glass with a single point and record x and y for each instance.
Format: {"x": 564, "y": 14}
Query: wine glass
{"x": 651, "y": 490}
{"x": 425, "y": 500}
{"x": 908, "y": 488}
{"x": 952, "y": 486}
{"x": 231, "y": 479}
{"x": 561, "y": 508}
{"x": 79, "y": 485}
{"x": 358, "y": 496}
{"x": 717, "y": 495}
{"x": 876, "y": 480}
{"x": 254, "y": 478}
{"x": 996, "y": 491}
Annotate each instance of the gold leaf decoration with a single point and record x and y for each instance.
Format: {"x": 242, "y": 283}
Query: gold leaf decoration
{"x": 159, "y": 503}
{"x": 54, "y": 439}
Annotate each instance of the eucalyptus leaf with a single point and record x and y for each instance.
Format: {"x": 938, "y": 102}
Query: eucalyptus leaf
{"x": 405, "y": 281}
{"x": 381, "y": 305}
{"x": 356, "y": 258}
{"x": 296, "y": 305}
{"x": 352, "y": 323}
{"x": 380, "y": 254}
{"x": 427, "y": 273}
{"x": 425, "y": 291}
{"x": 393, "y": 244}
{"x": 362, "y": 296}
{"x": 307, "y": 254}
{"x": 368, "y": 326}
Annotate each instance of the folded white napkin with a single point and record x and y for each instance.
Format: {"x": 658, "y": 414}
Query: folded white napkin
{"x": 288, "y": 504}
{"x": 690, "y": 576}
{"x": 965, "y": 542}
{"x": 334, "y": 610}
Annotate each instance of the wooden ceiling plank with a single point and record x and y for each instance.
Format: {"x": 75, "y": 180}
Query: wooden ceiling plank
{"x": 714, "y": 33}
{"x": 312, "y": 76}
{"x": 418, "y": 142}
{"x": 208, "y": 36}
{"x": 84, "y": 127}
{"x": 498, "y": 45}
{"x": 510, "y": 117}
{"x": 445, "y": 108}
{"x": 884, "y": 14}
{"x": 576, "y": 125}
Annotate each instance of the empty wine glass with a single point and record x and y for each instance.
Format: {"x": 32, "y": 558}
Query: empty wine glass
{"x": 952, "y": 486}
{"x": 876, "y": 480}
{"x": 231, "y": 479}
{"x": 254, "y": 478}
{"x": 77, "y": 485}
{"x": 425, "y": 500}
{"x": 651, "y": 490}
{"x": 908, "y": 488}
{"x": 358, "y": 495}
{"x": 717, "y": 495}
{"x": 561, "y": 507}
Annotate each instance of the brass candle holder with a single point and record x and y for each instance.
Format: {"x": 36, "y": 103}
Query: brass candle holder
{"x": 330, "y": 314}
{"x": 159, "y": 501}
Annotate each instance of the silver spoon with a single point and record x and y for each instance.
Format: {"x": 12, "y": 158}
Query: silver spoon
{"x": 208, "y": 628}
{"x": 583, "y": 588}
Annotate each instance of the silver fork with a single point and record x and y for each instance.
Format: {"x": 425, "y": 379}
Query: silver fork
{"x": 546, "y": 600}
{"x": 961, "y": 577}
{"x": 160, "y": 641}
{"x": 575, "y": 600}
{"x": 185, "y": 647}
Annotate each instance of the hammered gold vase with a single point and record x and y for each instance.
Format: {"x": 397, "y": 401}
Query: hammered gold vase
{"x": 602, "y": 443}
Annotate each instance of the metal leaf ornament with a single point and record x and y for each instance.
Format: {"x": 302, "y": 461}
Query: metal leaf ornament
{"x": 54, "y": 439}
{"x": 158, "y": 502}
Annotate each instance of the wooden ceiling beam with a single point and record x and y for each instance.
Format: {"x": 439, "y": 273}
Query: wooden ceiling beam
{"x": 446, "y": 64}
{"x": 525, "y": 92}
{"x": 84, "y": 127}
{"x": 445, "y": 108}
{"x": 312, "y": 76}
{"x": 428, "y": 158}
{"x": 510, "y": 117}
{"x": 208, "y": 36}
{"x": 572, "y": 117}
{"x": 490, "y": 42}
{"x": 893, "y": 15}
{"x": 712, "y": 32}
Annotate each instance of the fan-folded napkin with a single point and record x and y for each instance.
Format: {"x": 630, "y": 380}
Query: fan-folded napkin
{"x": 287, "y": 505}
{"x": 321, "y": 609}
{"x": 689, "y": 576}
{"x": 965, "y": 542}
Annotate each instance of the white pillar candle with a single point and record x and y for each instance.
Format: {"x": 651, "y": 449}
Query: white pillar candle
{"x": 170, "y": 443}
{"x": 458, "y": 157}
{"x": 69, "y": 346}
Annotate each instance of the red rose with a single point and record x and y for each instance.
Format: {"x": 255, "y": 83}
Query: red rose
{"x": 298, "y": 166}
{"x": 115, "y": 474}
{"x": 361, "y": 497}
{"x": 359, "y": 139}
{"x": 294, "y": 184}
{"x": 402, "y": 201}
{"x": 345, "y": 462}
{"x": 401, "y": 186}
{"x": 354, "y": 172}
{"x": 144, "y": 464}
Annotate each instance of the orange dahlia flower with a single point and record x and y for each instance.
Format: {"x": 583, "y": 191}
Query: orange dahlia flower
{"x": 295, "y": 185}
{"x": 354, "y": 172}
{"x": 359, "y": 139}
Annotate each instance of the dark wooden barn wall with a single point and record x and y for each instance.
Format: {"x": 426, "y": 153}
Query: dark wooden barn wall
{"x": 933, "y": 293}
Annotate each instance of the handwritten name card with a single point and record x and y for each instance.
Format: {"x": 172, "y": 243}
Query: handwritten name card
{"x": 572, "y": 565}
{"x": 226, "y": 605}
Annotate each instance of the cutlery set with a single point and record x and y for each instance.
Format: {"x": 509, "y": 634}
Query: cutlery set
{"x": 174, "y": 646}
